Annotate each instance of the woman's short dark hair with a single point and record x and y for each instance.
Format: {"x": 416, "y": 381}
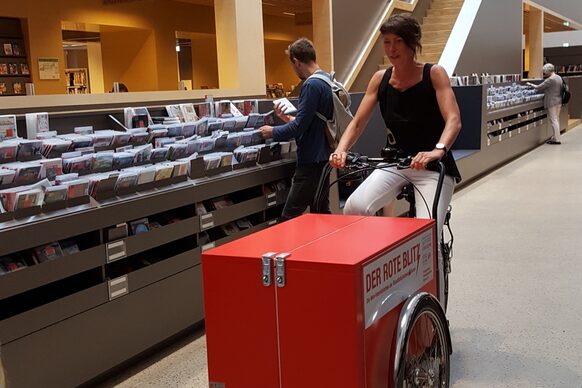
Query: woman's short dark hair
{"x": 302, "y": 50}
{"x": 406, "y": 27}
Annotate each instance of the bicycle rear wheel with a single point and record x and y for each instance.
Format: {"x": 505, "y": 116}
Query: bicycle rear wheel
{"x": 426, "y": 358}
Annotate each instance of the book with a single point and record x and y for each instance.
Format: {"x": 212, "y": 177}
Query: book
{"x": 159, "y": 154}
{"x": 11, "y": 263}
{"x": 163, "y": 171}
{"x": 52, "y": 147}
{"x": 84, "y": 130}
{"x": 225, "y": 109}
{"x": 103, "y": 160}
{"x": 139, "y": 121}
{"x": 7, "y": 127}
{"x": 24, "y": 172}
{"x": 77, "y": 188}
{"x": 17, "y": 88}
{"x": 35, "y": 123}
{"x": 6, "y": 176}
{"x": 28, "y": 198}
{"x": 122, "y": 160}
{"x": 3, "y": 69}
{"x": 12, "y": 69}
{"x": 175, "y": 130}
{"x": 204, "y": 109}
{"x": 126, "y": 179}
{"x": 144, "y": 117}
{"x": 286, "y": 106}
{"x": 50, "y": 168}
{"x": 8, "y": 49}
{"x": 221, "y": 202}
{"x": 47, "y": 252}
{"x": 229, "y": 229}
{"x": 54, "y": 194}
{"x": 145, "y": 174}
{"x": 139, "y": 226}
{"x": 69, "y": 246}
{"x": 24, "y": 69}
{"x": 101, "y": 138}
{"x": 3, "y": 88}
{"x": 175, "y": 111}
{"x": 188, "y": 112}
{"x": 16, "y": 49}
{"x": 83, "y": 163}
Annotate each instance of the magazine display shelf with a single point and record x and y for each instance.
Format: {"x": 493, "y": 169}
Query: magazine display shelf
{"x": 502, "y": 124}
{"x": 90, "y": 311}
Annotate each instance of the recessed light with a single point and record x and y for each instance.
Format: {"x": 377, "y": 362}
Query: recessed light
{"x": 567, "y": 24}
{"x": 565, "y": 44}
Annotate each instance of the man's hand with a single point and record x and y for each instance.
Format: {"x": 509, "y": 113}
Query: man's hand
{"x": 281, "y": 114}
{"x": 266, "y": 131}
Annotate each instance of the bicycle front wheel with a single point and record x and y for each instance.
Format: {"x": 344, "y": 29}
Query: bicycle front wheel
{"x": 426, "y": 358}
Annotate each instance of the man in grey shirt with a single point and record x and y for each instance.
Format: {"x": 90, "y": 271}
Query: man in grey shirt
{"x": 552, "y": 88}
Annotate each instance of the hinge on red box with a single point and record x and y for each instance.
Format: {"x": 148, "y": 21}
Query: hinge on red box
{"x": 267, "y": 268}
{"x": 280, "y": 268}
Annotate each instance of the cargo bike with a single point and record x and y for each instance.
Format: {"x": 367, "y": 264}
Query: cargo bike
{"x": 330, "y": 301}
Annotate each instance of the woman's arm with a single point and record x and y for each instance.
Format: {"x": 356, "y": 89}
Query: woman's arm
{"x": 338, "y": 158}
{"x": 450, "y": 112}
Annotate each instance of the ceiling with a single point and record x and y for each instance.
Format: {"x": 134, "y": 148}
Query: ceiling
{"x": 552, "y": 23}
{"x": 271, "y": 7}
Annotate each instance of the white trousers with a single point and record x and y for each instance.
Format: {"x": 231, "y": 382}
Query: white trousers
{"x": 554, "y": 117}
{"x": 382, "y": 186}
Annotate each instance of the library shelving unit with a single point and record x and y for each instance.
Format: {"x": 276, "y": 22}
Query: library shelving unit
{"x": 77, "y": 81}
{"x": 66, "y": 321}
{"x": 14, "y": 66}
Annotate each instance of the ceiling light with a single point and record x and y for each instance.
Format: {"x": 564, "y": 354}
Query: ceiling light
{"x": 565, "y": 44}
{"x": 567, "y": 24}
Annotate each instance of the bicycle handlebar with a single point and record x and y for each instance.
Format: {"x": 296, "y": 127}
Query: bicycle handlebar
{"x": 391, "y": 158}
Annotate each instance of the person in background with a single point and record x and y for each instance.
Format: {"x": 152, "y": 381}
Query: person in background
{"x": 422, "y": 119}
{"x": 308, "y": 131}
{"x": 552, "y": 88}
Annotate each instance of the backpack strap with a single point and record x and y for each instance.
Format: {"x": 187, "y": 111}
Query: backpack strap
{"x": 327, "y": 80}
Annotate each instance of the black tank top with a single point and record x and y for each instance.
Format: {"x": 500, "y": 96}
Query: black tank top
{"x": 413, "y": 120}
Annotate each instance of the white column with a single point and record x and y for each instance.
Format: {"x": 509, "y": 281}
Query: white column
{"x": 240, "y": 45}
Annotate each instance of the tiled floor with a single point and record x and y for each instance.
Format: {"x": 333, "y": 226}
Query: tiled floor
{"x": 515, "y": 309}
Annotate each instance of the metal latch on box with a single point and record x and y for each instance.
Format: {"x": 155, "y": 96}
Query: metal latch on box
{"x": 267, "y": 268}
{"x": 279, "y": 260}
{"x": 280, "y": 268}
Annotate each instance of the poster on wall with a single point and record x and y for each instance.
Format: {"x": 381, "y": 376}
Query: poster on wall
{"x": 48, "y": 68}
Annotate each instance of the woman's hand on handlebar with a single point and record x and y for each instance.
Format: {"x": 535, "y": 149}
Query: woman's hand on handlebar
{"x": 338, "y": 159}
{"x": 422, "y": 159}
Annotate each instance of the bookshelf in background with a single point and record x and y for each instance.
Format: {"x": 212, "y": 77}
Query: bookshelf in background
{"x": 569, "y": 70}
{"x": 14, "y": 67}
{"x": 77, "y": 81}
